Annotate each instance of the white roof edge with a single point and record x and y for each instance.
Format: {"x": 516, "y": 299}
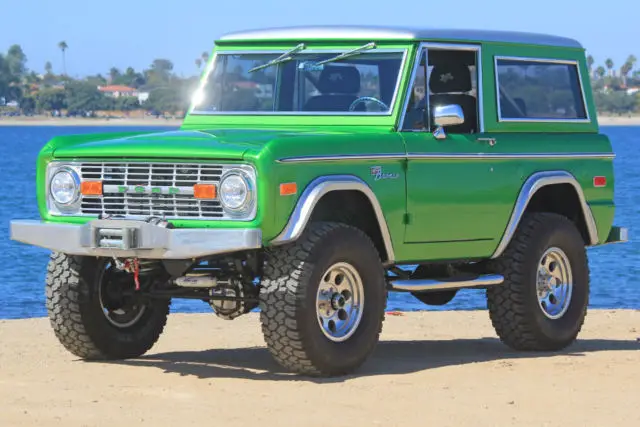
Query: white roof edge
{"x": 398, "y": 33}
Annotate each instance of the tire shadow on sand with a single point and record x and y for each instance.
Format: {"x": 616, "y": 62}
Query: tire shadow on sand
{"x": 389, "y": 358}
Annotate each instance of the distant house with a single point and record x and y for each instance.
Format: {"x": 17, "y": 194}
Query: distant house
{"x": 633, "y": 90}
{"x": 116, "y": 91}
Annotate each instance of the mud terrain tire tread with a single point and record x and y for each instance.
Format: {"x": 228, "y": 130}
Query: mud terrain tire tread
{"x": 513, "y": 314}
{"x": 287, "y": 274}
{"x": 68, "y": 295}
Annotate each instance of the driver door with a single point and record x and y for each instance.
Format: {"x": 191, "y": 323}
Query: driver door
{"x": 451, "y": 186}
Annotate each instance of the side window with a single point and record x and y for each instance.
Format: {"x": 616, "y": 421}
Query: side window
{"x": 414, "y": 118}
{"x": 449, "y": 78}
{"x": 540, "y": 90}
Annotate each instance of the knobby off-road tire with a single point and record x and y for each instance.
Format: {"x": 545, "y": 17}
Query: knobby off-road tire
{"x": 79, "y": 321}
{"x": 516, "y": 313}
{"x": 296, "y": 275}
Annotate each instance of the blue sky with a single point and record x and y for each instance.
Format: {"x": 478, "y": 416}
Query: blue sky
{"x": 101, "y": 34}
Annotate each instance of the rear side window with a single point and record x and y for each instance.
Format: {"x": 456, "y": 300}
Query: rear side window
{"x": 538, "y": 90}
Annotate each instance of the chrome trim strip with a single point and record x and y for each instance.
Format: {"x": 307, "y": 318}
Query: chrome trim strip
{"x": 423, "y": 285}
{"x": 152, "y": 241}
{"x": 302, "y": 159}
{"x": 512, "y": 156}
{"x": 545, "y": 61}
{"x": 389, "y": 113}
{"x": 529, "y": 189}
{"x": 334, "y": 32}
{"x": 476, "y": 156}
{"x": 312, "y": 195}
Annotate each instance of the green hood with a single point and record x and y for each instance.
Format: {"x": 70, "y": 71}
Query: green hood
{"x": 209, "y": 144}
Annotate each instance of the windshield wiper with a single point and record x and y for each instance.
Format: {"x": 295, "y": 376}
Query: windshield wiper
{"x": 287, "y": 56}
{"x": 356, "y": 51}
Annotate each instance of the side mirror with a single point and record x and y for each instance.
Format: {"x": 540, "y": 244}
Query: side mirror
{"x": 446, "y": 115}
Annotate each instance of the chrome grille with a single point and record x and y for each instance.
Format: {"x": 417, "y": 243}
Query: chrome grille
{"x": 151, "y": 189}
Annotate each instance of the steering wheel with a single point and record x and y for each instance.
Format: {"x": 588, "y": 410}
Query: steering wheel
{"x": 367, "y": 98}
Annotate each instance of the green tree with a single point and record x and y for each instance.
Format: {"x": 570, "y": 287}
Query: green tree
{"x": 590, "y": 62}
{"x": 28, "y": 105}
{"x": 609, "y": 64}
{"x": 205, "y": 57}
{"x": 51, "y": 99}
{"x": 84, "y": 98}
{"x": 160, "y": 73}
{"x": 63, "y": 47}
{"x": 166, "y": 99}
{"x": 199, "y": 63}
{"x": 114, "y": 75}
{"x": 127, "y": 103}
{"x": 600, "y": 71}
{"x": 16, "y": 62}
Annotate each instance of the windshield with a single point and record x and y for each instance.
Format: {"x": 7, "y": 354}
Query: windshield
{"x": 363, "y": 83}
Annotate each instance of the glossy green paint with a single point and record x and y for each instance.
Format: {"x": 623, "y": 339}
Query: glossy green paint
{"x": 435, "y": 208}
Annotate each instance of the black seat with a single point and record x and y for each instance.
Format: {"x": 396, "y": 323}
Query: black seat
{"x": 339, "y": 87}
{"x": 447, "y": 79}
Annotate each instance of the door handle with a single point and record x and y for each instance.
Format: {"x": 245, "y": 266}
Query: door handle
{"x": 490, "y": 141}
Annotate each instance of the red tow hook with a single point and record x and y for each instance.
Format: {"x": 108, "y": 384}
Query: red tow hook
{"x": 135, "y": 270}
{"x": 136, "y": 273}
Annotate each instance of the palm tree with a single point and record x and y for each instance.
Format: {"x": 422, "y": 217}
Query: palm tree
{"x": 198, "y": 63}
{"x": 600, "y": 72}
{"x": 609, "y": 64}
{"x": 63, "y": 47}
{"x": 48, "y": 68}
{"x": 205, "y": 57}
{"x": 590, "y": 62}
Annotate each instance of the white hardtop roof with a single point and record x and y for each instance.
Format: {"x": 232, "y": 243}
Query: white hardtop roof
{"x": 338, "y": 32}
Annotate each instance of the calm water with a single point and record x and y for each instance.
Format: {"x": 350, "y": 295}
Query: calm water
{"x": 614, "y": 268}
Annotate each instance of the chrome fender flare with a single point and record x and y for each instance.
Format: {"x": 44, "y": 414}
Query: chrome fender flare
{"x": 534, "y": 183}
{"x": 312, "y": 195}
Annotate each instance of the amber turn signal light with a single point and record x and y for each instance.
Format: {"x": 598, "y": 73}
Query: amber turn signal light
{"x": 204, "y": 191}
{"x": 91, "y": 188}
{"x": 288, "y": 188}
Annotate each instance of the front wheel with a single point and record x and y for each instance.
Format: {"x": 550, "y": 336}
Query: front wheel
{"x": 543, "y": 301}
{"x": 93, "y": 313}
{"x": 322, "y": 300}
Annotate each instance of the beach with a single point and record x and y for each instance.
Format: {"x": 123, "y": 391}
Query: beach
{"x": 152, "y": 121}
{"x": 430, "y": 368}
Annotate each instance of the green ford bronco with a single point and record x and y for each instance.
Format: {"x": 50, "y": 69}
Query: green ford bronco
{"x": 319, "y": 168}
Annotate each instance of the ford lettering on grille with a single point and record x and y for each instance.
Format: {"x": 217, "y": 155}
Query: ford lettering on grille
{"x": 137, "y": 190}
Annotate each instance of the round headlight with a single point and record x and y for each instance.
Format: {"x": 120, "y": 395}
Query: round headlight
{"x": 235, "y": 192}
{"x": 64, "y": 186}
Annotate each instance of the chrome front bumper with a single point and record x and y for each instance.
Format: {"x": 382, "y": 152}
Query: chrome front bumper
{"x": 130, "y": 238}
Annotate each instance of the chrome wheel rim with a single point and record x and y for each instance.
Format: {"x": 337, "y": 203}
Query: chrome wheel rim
{"x": 554, "y": 283}
{"x": 117, "y": 310}
{"x": 339, "y": 302}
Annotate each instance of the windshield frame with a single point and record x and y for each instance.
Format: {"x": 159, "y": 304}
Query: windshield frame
{"x": 405, "y": 51}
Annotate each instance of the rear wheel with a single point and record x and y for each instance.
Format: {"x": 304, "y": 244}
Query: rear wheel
{"x": 93, "y": 312}
{"x": 322, "y": 300}
{"x": 543, "y": 302}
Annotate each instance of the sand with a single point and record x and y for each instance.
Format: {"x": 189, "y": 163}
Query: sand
{"x": 431, "y": 368}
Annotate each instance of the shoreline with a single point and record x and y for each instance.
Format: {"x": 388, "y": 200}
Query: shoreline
{"x": 142, "y": 122}
{"x": 51, "y": 121}
{"x": 430, "y": 363}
